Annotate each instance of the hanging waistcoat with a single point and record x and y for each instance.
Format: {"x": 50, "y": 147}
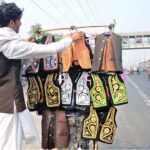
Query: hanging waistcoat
{"x": 117, "y": 89}
{"x": 32, "y": 67}
{"x": 108, "y": 128}
{"x": 115, "y": 58}
{"x": 100, "y": 128}
{"x": 34, "y": 93}
{"x": 66, "y": 59}
{"x": 66, "y": 90}
{"x": 82, "y": 91}
{"x": 50, "y": 63}
{"x": 81, "y": 54}
{"x": 77, "y": 54}
{"x": 97, "y": 92}
{"x": 90, "y": 125}
{"x": 52, "y": 92}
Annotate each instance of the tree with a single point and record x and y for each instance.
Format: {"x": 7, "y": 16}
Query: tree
{"x": 35, "y": 28}
{"x": 35, "y": 32}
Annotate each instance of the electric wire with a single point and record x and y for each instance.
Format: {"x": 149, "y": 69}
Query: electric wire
{"x": 61, "y": 12}
{"x": 95, "y": 8}
{"x": 97, "y": 12}
{"x": 94, "y": 16}
{"x": 83, "y": 10}
{"x": 70, "y": 10}
{"x": 46, "y": 12}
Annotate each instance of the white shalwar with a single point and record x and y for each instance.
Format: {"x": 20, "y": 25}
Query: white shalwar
{"x": 18, "y": 126}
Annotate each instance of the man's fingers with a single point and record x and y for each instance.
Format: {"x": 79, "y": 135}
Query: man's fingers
{"x": 81, "y": 34}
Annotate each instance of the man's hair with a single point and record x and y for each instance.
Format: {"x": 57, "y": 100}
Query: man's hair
{"x": 8, "y": 12}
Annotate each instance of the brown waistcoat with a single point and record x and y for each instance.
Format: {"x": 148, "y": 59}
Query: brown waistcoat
{"x": 10, "y": 86}
{"x": 115, "y": 58}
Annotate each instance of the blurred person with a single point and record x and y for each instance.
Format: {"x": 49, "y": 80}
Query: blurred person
{"x": 148, "y": 73}
{"x": 138, "y": 71}
{"x": 13, "y": 111}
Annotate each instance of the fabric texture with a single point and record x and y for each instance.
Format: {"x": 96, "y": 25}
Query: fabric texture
{"x": 16, "y": 127}
{"x": 55, "y": 129}
{"x": 30, "y": 131}
{"x": 113, "y": 55}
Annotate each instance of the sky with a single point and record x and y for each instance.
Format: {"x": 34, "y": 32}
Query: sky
{"x": 130, "y": 16}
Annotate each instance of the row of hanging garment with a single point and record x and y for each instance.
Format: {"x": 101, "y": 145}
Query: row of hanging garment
{"x": 77, "y": 79}
{"x": 107, "y": 56}
{"x": 77, "y": 90}
{"x": 77, "y": 56}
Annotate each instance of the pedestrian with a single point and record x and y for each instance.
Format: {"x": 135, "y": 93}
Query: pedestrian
{"x": 148, "y": 73}
{"x": 12, "y": 49}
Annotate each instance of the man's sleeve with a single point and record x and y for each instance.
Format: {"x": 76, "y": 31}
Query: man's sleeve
{"x": 19, "y": 49}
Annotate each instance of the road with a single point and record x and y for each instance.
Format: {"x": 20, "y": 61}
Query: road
{"x": 133, "y": 119}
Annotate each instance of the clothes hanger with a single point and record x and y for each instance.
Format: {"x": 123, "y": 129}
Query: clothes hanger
{"x": 73, "y": 29}
{"x": 111, "y": 29}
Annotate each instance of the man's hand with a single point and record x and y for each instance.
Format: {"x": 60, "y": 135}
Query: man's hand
{"x": 30, "y": 39}
{"x": 77, "y": 36}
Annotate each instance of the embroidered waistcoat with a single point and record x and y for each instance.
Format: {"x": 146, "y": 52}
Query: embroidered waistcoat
{"x": 66, "y": 90}
{"x": 97, "y": 92}
{"x": 82, "y": 91}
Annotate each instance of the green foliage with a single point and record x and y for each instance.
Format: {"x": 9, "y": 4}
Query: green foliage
{"x": 35, "y": 28}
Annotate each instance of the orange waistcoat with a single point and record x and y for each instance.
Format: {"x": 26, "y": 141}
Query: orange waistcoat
{"x": 77, "y": 53}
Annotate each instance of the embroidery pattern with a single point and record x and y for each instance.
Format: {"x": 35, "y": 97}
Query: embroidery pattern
{"x": 118, "y": 90}
{"x": 82, "y": 95}
{"x": 97, "y": 92}
{"x": 90, "y": 125}
{"x": 108, "y": 129}
{"x": 66, "y": 90}
{"x": 52, "y": 92}
{"x": 33, "y": 93}
{"x": 51, "y": 62}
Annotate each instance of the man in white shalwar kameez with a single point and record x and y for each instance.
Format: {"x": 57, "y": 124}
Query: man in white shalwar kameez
{"x": 15, "y": 120}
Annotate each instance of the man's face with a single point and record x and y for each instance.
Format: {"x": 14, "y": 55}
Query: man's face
{"x": 15, "y": 25}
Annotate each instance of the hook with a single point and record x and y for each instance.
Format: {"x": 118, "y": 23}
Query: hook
{"x": 112, "y": 25}
{"x": 73, "y": 28}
